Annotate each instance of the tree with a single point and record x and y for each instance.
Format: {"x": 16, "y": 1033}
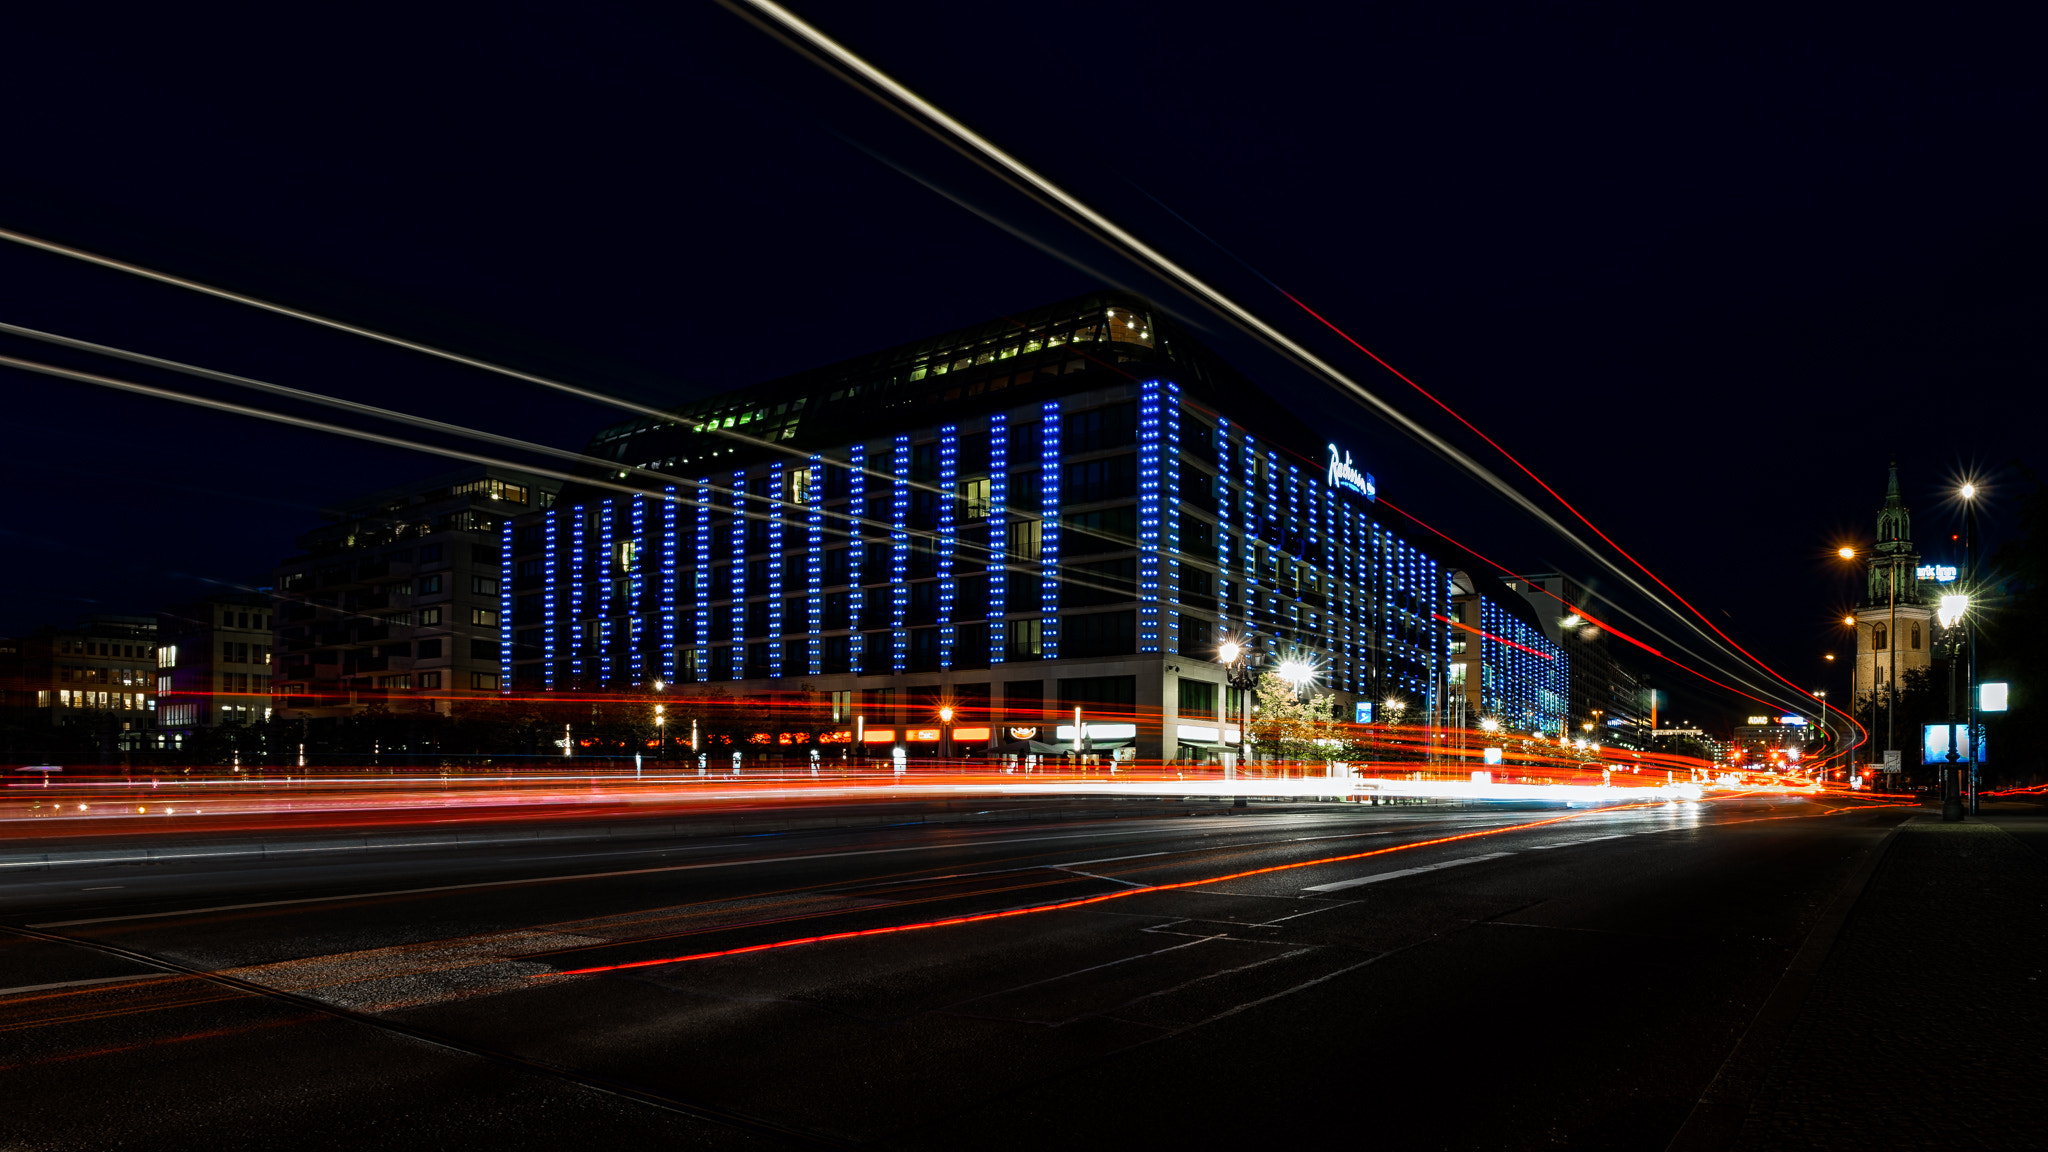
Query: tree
{"x": 1285, "y": 726}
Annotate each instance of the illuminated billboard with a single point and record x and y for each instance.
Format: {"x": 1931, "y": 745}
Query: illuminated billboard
{"x": 1934, "y": 744}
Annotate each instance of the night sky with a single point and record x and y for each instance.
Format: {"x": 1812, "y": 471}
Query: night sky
{"x": 1704, "y": 275}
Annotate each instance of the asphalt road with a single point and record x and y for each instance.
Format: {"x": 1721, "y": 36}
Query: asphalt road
{"x": 1548, "y": 978}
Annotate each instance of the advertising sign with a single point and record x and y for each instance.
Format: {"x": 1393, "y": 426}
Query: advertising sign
{"x": 1344, "y": 474}
{"x": 1934, "y": 745}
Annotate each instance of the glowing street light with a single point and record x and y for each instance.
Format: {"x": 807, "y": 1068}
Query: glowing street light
{"x": 1228, "y": 652}
{"x": 1952, "y": 608}
{"x": 1297, "y": 672}
{"x": 1489, "y": 725}
{"x": 1846, "y": 553}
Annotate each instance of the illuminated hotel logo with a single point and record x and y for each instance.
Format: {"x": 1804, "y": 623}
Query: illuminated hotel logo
{"x": 1939, "y": 573}
{"x": 1344, "y": 474}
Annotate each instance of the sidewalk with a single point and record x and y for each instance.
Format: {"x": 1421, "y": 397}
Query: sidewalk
{"x": 1927, "y": 1024}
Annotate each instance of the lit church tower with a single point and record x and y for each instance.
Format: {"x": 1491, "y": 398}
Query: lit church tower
{"x": 1894, "y": 625}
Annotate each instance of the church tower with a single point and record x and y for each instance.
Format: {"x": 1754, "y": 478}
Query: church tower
{"x": 1895, "y": 623}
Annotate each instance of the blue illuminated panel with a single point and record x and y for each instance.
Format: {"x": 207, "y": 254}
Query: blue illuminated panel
{"x": 899, "y": 538}
{"x": 550, "y": 581}
{"x": 1151, "y": 441}
{"x": 857, "y": 510}
{"x": 1226, "y": 501}
{"x": 1169, "y": 518}
{"x": 1049, "y": 529}
{"x": 949, "y": 463}
{"x": 505, "y": 569}
{"x": 579, "y": 593}
{"x": 608, "y": 572}
{"x": 998, "y": 530}
{"x": 669, "y": 511}
{"x": 777, "y": 513}
{"x": 636, "y": 640}
{"x": 738, "y": 591}
{"x": 701, "y": 577}
{"x": 814, "y": 584}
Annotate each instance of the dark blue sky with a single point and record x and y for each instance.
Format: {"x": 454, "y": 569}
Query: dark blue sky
{"x": 1704, "y": 274}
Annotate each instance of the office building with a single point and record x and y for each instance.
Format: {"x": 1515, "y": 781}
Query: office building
{"x": 1066, "y": 508}
{"x": 213, "y": 664}
{"x": 101, "y": 671}
{"x": 1502, "y": 666}
{"x": 395, "y": 601}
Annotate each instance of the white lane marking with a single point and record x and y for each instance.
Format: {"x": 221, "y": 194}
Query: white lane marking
{"x": 581, "y": 876}
{"x": 1094, "y": 876}
{"x": 1586, "y": 840}
{"x": 1374, "y": 879}
{"x": 1104, "y": 860}
{"x": 103, "y": 888}
{"x": 80, "y": 983}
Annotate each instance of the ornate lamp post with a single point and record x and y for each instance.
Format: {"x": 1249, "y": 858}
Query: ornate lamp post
{"x": 1240, "y": 658}
{"x": 1953, "y": 608}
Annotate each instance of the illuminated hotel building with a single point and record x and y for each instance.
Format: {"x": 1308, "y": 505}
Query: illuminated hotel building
{"x": 1065, "y": 508}
{"x": 1502, "y": 665}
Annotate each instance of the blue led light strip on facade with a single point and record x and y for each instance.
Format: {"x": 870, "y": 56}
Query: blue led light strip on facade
{"x": 899, "y": 539}
{"x": 701, "y": 577}
{"x": 998, "y": 528}
{"x": 579, "y": 591}
{"x": 608, "y": 550}
{"x": 636, "y": 640}
{"x": 856, "y": 556}
{"x": 777, "y": 512}
{"x": 814, "y": 539}
{"x": 550, "y": 573}
{"x": 505, "y": 569}
{"x": 1169, "y": 526}
{"x": 1225, "y": 501}
{"x": 668, "y": 583}
{"x": 1150, "y": 443}
{"x": 737, "y": 592}
{"x": 1049, "y": 528}
{"x": 949, "y": 461}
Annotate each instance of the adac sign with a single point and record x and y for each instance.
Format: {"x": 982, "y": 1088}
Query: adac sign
{"x": 1344, "y": 474}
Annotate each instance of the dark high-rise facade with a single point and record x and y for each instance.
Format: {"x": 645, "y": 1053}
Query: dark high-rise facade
{"x": 395, "y": 600}
{"x": 1066, "y": 508}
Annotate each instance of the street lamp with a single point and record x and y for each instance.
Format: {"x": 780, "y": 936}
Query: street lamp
{"x": 1951, "y": 613}
{"x": 1969, "y": 495}
{"x": 1489, "y": 724}
{"x": 1240, "y": 660}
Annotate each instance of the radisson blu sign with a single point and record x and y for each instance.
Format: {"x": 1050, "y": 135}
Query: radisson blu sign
{"x": 1344, "y": 474}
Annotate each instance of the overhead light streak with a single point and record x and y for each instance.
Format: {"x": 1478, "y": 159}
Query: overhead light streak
{"x": 872, "y": 81}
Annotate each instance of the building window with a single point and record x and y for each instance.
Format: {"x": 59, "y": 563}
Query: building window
{"x": 483, "y": 680}
{"x": 430, "y": 553}
{"x": 430, "y": 617}
{"x": 1024, "y": 639}
{"x": 426, "y": 586}
{"x": 394, "y": 682}
{"x": 1916, "y": 634}
{"x": 430, "y": 679}
{"x": 485, "y": 617}
{"x": 483, "y": 585}
{"x": 1878, "y": 638}
{"x": 1198, "y": 698}
{"x": 975, "y": 495}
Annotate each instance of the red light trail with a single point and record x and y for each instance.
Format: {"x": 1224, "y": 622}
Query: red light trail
{"x": 1061, "y": 905}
